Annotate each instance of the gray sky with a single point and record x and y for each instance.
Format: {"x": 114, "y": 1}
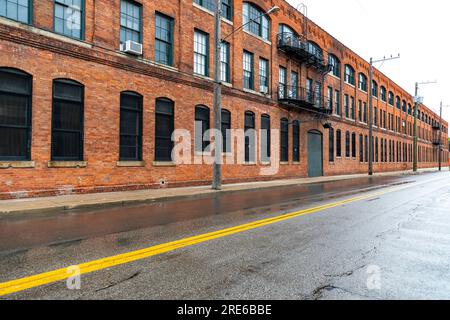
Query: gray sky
{"x": 418, "y": 30}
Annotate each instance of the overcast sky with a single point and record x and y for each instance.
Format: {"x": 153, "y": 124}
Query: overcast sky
{"x": 418, "y": 30}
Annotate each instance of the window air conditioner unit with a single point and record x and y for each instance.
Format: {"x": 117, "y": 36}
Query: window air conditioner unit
{"x": 131, "y": 47}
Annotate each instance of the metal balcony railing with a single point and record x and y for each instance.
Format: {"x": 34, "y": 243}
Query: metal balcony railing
{"x": 303, "y": 98}
{"x": 303, "y": 51}
{"x": 436, "y": 126}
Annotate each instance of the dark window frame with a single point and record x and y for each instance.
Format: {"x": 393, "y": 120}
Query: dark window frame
{"x": 82, "y": 19}
{"x": 168, "y": 116}
{"x": 284, "y": 140}
{"x": 296, "y": 141}
{"x": 138, "y": 135}
{"x": 169, "y": 43}
{"x": 206, "y": 126}
{"x": 28, "y": 125}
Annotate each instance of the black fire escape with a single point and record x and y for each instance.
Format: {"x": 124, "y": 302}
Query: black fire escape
{"x": 303, "y": 52}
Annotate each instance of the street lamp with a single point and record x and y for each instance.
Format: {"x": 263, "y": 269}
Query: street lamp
{"x": 371, "y": 108}
{"x": 417, "y": 100}
{"x": 218, "y": 41}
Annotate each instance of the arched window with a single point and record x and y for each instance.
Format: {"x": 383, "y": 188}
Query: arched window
{"x": 130, "y": 145}
{"x": 255, "y": 21}
{"x": 335, "y": 64}
{"x": 398, "y": 102}
{"x": 286, "y": 30}
{"x": 16, "y": 10}
{"x": 331, "y": 145}
{"x": 265, "y": 138}
{"x": 375, "y": 89}
{"x": 391, "y": 98}
{"x": 249, "y": 127}
{"x": 409, "y": 109}
{"x": 164, "y": 127}
{"x": 338, "y": 144}
{"x": 404, "y": 106}
{"x": 353, "y": 145}
{"x": 227, "y": 7}
{"x": 226, "y": 127}
{"x": 284, "y": 140}
{"x": 383, "y": 94}
{"x": 202, "y": 125}
{"x": 362, "y": 83}
{"x": 349, "y": 75}
{"x": 15, "y": 114}
{"x": 347, "y": 144}
{"x": 361, "y": 148}
{"x": 296, "y": 141}
{"x": 315, "y": 50}
{"x": 67, "y": 120}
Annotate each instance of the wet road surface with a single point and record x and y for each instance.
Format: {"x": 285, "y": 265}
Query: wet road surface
{"x": 396, "y": 245}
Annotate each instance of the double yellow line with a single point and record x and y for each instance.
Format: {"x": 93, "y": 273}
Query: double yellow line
{"x": 101, "y": 264}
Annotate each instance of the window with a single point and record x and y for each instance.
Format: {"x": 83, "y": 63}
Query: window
{"x": 249, "y": 127}
{"x": 347, "y": 144}
{"x": 19, "y": 10}
{"x": 361, "y": 148}
{"x": 376, "y": 149}
{"x": 352, "y": 107}
{"x": 374, "y": 89}
{"x": 130, "y": 145}
{"x": 201, "y": 128}
{"x": 375, "y": 116}
{"x": 225, "y": 62}
{"x": 398, "y": 102}
{"x": 227, "y": 7}
{"x": 335, "y": 64}
{"x": 130, "y": 21}
{"x": 265, "y": 138}
{"x": 353, "y": 145}
{"x": 201, "y": 53}
{"x": 360, "y": 110}
{"x": 296, "y": 141}
{"x": 163, "y": 39}
{"x": 315, "y": 50}
{"x": 15, "y": 114}
{"x": 365, "y": 112}
{"x": 338, "y": 144}
{"x": 294, "y": 85}
{"x": 391, "y": 98}
{"x": 67, "y": 120}
{"x": 248, "y": 70}
{"x": 346, "y": 106}
{"x": 337, "y": 101}
{"x": 362, "y": 85}
{"x": 366, "y": 149}
{"x": 263, "y": 76}
{"x": 330, "y": 98}
{"x": 404, "y": 106}
{"x": 284, "y": 143}
{"x": 226, "y": 127}
{"x": 383, "y": 94}
{"x": 282, "y": 88}
{"x": 255, "y": 21}
{"x": 164, "y": 127}
{"x": 349, "y": 76}
{"x": 331, "y": 145}
{"x": 69, "y": 18}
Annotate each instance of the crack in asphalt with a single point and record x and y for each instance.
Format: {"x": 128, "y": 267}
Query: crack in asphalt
{"x": 134, "y": 275}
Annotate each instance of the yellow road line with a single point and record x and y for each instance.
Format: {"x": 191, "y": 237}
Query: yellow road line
{"x": 101, "y": 264}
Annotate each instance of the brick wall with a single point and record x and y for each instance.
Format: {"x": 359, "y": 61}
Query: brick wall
{"x": 97, "y": 64}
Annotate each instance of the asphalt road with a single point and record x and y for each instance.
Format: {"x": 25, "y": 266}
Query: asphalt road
{"x": 395, "y": 245}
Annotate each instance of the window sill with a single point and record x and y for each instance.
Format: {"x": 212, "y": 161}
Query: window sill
{"x": 67, "y": 164}
{"x": 284, "y": 163}
{"x": 249, "y": 164}
{"x": 164, "y": 164}
{"x": 333, "y": 76}
{"x": 17, "y": 164}
{"x": 130, "y": 164}
{"x": 296, "y": 163}
{"x": 201, "y": 76}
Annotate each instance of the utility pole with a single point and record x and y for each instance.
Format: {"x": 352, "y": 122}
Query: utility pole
{"x": 217, "y": 166}
{"x": 371, "y": 108}
{"x": 218, "y": 41}
{"x": 417, "y": 100}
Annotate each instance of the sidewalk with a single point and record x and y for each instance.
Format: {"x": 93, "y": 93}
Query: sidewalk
{"x": 98, "y": 200}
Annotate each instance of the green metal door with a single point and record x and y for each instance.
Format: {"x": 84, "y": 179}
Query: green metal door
{"x": 315, "y": 156}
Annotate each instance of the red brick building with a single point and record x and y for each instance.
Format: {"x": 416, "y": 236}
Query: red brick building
{"x": 78, "y": 114}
